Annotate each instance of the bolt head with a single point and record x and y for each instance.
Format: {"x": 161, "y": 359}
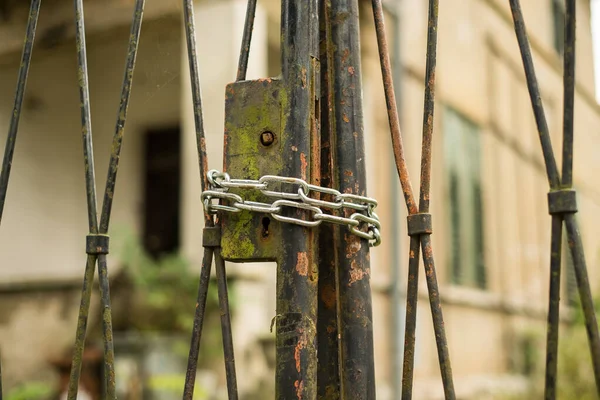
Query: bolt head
{"x": 267, "y": 138}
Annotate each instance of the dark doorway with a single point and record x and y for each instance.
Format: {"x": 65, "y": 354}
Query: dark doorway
{"x": 162, "y": 169}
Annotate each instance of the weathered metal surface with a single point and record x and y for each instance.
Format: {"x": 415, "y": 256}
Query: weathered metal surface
{"x": 420, "y": 234}
{"x": 357, "y": 367}
{"x": 561, "y": 199}
{"x": 102, "y": 229}
{"x": 328, "y": 372}
{"x": 11, "y": 138}
{"x": 246, "y": 40}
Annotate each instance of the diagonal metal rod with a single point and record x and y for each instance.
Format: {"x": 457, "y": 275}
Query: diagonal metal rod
{"x": 412, "y": 296}
{"x": 226, "y": 331}
{"x": 553, "y": 308}
{"x": 107, "y": 203}
{"x": 11, "y": 139}
{"x": 534, "y": 94}
{"x": 246, "y": 40}
{"x": 573, "y": 235}
{"x": 569, "y": 93}
{"x": 423, "y": 241}
{"x": 192, "y": 366}
{"x": 190, "y": 33}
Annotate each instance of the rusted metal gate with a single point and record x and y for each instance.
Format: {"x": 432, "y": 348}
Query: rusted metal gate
{"x": 294, "y": 160}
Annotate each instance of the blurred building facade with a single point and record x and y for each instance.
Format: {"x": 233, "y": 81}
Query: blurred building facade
{"x": 491, "y": 226}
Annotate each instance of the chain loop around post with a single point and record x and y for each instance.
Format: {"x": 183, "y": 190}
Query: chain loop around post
{"x": 297, "y": 197}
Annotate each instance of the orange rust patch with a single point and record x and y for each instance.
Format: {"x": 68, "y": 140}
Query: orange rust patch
{"x": 299, "y": 388}
{"x": 302, "y": 341}
{"x": 303, "y": 77}
{"x": 412, "y": 254}
{"x": 351, "y": 70}
{"x": 303, "y": 165}
{"x": 302, "y": 264}
{"x": 353, "y": 245}
{"x": 348, "y": 173}
{"x": 356, "y": 273}
{"x": 345, "y": 117}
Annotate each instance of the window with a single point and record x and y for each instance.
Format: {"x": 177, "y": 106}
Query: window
{"x": 162, "y": 180}
{"x": 462, "y": 156}
{"x": 558, "y": 24}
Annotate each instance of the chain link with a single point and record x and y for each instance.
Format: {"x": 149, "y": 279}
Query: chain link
{"x": 363, "y": 222}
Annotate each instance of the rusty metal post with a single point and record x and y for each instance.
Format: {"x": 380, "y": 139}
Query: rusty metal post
{"x": 354, "y": 296}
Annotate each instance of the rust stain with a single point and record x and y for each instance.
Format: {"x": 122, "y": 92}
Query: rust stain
{"x": 353, "y": 247}
{"x": 330, "y": 329}
{"x": 302, "y": 342}
{"x": 294, "y": 148}
{"x": 303, "y": 77}
{"x": 348, "y": 173}
{"x": 299, "y": 388}
{"x": 302, "y": 264}
{"x": 351, "y": 70}
{"x": 412, "y": 254}
{"x": 345, "y": 117}
{"x": 328, "y": 296}
{"x": 303, "y": 165}
{"x": 357, "y": 273}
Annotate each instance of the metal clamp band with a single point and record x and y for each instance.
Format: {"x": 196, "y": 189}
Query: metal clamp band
{"x": 419, "y": 224}
{"x": 211, "y": 236}
{"x": 563, "y": 201}
{"x": 97, "y": 244}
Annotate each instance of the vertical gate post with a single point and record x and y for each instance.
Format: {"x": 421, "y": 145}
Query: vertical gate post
{"x": 356, "y": 320}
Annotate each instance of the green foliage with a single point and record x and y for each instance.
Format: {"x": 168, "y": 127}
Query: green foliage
{"x": 165, "y": 292}
{"x": 30, "y": 391}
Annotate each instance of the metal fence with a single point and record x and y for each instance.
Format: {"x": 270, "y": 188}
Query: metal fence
{"x": 313, "y": 108}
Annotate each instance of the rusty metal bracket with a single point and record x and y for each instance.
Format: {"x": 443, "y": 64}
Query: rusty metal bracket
{"x": 419, "y": 224}
{"x": 97, "y": 244}
{"x": 563, "y": 201}
{"x": 211, "y": 237}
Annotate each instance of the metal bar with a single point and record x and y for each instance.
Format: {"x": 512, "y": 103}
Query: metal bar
{"x": 246, "y": 40}
{"x": 569, "y": 93}
{"x": 226, "y": 331}
{"x": 328, "y": 373}
{"x": 534, "y": 94}
{"x": 107, "y": 203}
{"x": 192, "y": 364}
{"x": 392, "y": 108}
{"x": 86, "y": 119}
{"x": 429, "y": 106}
{"x": 297, "y": 283}
{"x": 438, "y": 319}
{"x": 553, "y": 308}
{"x": 113, "y": 166}
{"x": 107, "y": 330}
{"x": 412, "y": 296}
{"x": 356, "y": 319}
{"x": 585, "y": 293}
{"x": 82, "y": 320}
{"x": 11, "y": 138}
{"x": 190, "y": 34}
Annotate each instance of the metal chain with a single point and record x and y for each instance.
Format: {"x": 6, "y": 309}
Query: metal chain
{"x": 364, "y": 217}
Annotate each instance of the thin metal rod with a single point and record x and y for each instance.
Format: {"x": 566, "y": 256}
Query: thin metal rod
{"x": 11, "y": 138}
{"x": 86, "y": 119}
{"x": 82, "y": 321}
{"x": 428, "y": 107}
{"x": 438, "y": 318}
{"x": 569, "y": 93}
{"x": 226, "y": 330}
{"x": 246, "y": 40}
{"x": 190, "y": 34}
{"x": 553, "y": 308}
{"x": 534, "y": 94}
{"x": 192, "y": 365}
{"x": 412, "y": 296}
{"x": 107, "y": 330}
{"x": 392, "y": 109}
{"x": 109, "y": 191}
{"x": 585, "y": 293}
